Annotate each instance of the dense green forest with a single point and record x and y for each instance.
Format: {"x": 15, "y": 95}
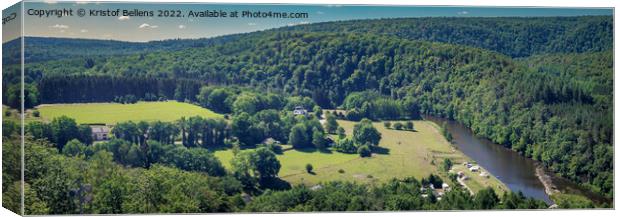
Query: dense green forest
{"x": 513, "y": 36}
{"x": 43, "y": 49}
{"x": 540, "y": 86}
{"x": 130, "y": 174}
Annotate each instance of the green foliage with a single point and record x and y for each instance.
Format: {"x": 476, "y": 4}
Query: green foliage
{"x": 56, "y": 184}
{"x": 516, "y": 37}
{"x": 345, "y": 145}
{"x": 318, "y": 139}
{"x": 341, "y": 132}
{"x": 394, "y": 195}
{"x": 364, "y": 132}
{"x": 387, "y": 124}
{"x": 309, "y": 168}
{"x": 409, "y": 125}
{"x": 74, "y": 148}
{"x": 372, "y": 105}
{"x": 568, "y": 201}
{"x": 364, "y": 151}
{"x": 252, "y": 166}
{"x": 398, "y": 126}
{"x": 446, "y": 133}
{"x": 12, "y": 96}
{"x": 486, "y": 199}
{"x": 331, "y": 125}
{"x": 553, "y": 105}
{"x": 298, "y": 137}
{"x": 447, "y": 164}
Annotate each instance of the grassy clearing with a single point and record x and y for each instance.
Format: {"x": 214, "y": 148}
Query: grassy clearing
{"x": 14, "y": 115}
{"x": 112, "y": 113}
{"x": 407, "y": 153}
{"x": 294, "y": 161}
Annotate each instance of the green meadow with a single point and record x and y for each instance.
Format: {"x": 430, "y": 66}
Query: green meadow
{"x": 404, "y": 153}
{"x": 112, "y": 113}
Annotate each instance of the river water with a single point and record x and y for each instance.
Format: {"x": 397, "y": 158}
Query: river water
{"x": 514, "y": 170}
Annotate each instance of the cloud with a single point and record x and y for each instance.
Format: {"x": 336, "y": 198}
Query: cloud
{"x": 251, "y": 24}
{"x": 462, "y": 12}
{"x": 59, "y": 26}
{"x": 122, "y": 18}
{"x": 147, "y": 26}
{"x": 182, "y": 26}
{"x": 83, "y": 30}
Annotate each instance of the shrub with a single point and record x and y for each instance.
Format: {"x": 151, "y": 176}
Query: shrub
{"x": 309, "y": 168}
{"x": 364, "y": 151}
{"x": 398, "y": 126}
{"x": 345, "y": 145}
{"x": 387, "y": 124}
{"x": 409, "y": 125}
{"x": 341, "y": 133}
{"x": 447, "y": 164}
{"x": 36, "y": 113}
{"x": 340, "y": 171}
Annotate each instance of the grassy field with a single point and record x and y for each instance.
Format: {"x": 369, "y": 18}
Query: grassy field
{"x": 407, "y": 153}
{"x": 13, "y": 115}
{"x": 111, "y": 113}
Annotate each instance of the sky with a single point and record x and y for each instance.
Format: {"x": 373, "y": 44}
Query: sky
{"x": 140, "y": 29}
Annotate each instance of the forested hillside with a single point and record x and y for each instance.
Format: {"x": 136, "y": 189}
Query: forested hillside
{"x": 43, "y": 49}
{"x": 553, "y": 103}
{"x": 515, "y": 37}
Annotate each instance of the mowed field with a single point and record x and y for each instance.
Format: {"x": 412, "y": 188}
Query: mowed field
{"x": 112, "y": 113}
{"x": 406, "y": 153}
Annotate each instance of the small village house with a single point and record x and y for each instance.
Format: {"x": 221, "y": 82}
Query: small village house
{"x": 100, "y": 132}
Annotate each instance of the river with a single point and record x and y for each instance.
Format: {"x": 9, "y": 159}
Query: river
{"x": 514, "y": 170}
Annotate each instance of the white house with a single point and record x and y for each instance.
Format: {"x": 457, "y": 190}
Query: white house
{"x": 100, "y": 132}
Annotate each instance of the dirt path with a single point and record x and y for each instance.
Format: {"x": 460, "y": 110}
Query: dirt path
{"x": 465, "y": 185}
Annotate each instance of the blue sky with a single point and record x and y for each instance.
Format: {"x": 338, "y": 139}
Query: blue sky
{"x": 158, "y": 28}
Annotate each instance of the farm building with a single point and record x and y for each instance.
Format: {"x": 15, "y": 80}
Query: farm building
{"x": 100, "y": 132}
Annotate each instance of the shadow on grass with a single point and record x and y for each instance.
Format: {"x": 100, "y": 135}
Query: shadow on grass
{"x": 380, "y": 150}
{"x": 274, "y": 183}
{"x": 413, "y": 130}
{"x": 218, "y": 148}
{"x": 312, "y": 150}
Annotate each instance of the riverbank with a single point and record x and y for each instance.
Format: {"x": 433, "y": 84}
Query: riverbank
{"x": 545, "y": 179}
{"x": 518, "y": 172}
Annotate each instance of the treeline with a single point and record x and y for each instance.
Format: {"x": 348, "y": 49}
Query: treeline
{"x": 512, "y": 36}
{"x": 58, "y": 183}
{"x": 61, "y": 184}
{"x": 394, "y": 195}
{"x": 374, "y": 106}
{"x": 83, "y": 88}
{"x": 538, "y": 111}
{"x": 44, "y": 49}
